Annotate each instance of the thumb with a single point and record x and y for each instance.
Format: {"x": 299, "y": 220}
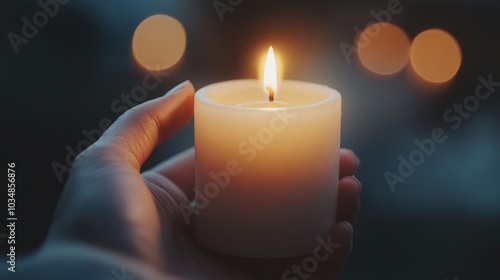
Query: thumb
{"x": 139, "y": 130}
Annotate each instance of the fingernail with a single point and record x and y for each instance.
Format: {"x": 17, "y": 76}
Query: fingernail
{"x": 345, "y": 224}
{"x": 358, "y": 161}
{"x": 357, "y": 158}
{"x": 179, "y": 87}
{"x": 357, "y": 180}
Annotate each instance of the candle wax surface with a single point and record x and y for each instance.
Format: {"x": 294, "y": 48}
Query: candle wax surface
{"x": 266, "y": 174}
{"x": 253, "y": 94}
{"x": 264, "y": 104}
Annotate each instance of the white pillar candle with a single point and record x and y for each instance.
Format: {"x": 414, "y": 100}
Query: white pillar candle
{"x": 266, "y": 176}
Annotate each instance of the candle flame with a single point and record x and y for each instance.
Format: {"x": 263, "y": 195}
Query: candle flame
{"x": 270, "y": 76}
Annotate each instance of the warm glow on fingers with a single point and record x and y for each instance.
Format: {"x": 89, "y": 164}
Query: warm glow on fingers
{"x": 383, "y": 48}
{"x": 435, "y": 55}
{"x": 159, "y": 42}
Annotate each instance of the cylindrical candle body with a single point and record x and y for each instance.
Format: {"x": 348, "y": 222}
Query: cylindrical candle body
{"x": 266, "y": 178}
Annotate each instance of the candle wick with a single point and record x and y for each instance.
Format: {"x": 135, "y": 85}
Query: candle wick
{"x": 271, "y": 93}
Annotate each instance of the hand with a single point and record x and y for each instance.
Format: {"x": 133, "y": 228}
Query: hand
{"x": 113, "y": 222}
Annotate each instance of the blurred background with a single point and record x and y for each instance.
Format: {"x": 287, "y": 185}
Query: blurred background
{"x": 404, "y": 69}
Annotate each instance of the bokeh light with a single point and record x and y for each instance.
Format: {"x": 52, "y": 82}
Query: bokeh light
{"x": 159, "y": 42}
{"x": 383, "y": 48}
{"x": 435, "y": 55}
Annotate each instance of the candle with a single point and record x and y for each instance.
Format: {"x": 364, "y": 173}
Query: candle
{"x": 266, "y": 165}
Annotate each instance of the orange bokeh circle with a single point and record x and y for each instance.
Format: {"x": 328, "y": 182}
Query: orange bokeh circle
{"x": 383, "y": 48}
{"x": 159, "y": 42}
{"x": 435, "y": 55}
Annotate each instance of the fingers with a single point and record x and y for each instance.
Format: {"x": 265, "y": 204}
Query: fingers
{"x": 139, "y": 130}
{"x": 349, "y": 163}
{"x": 349, "y": 191}
{"x": 178, "y": 169}
{"x": 340, "y": 243}
{"x": 348, "y": 199}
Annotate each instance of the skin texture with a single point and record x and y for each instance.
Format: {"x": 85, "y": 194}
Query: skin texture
{"x": 114, "y": 222}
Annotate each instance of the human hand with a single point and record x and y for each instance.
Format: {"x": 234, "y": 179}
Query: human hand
{"x": 113, "y": 218}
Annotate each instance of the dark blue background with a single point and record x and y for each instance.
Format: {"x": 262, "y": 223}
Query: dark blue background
{"x": 442, "y": 222}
